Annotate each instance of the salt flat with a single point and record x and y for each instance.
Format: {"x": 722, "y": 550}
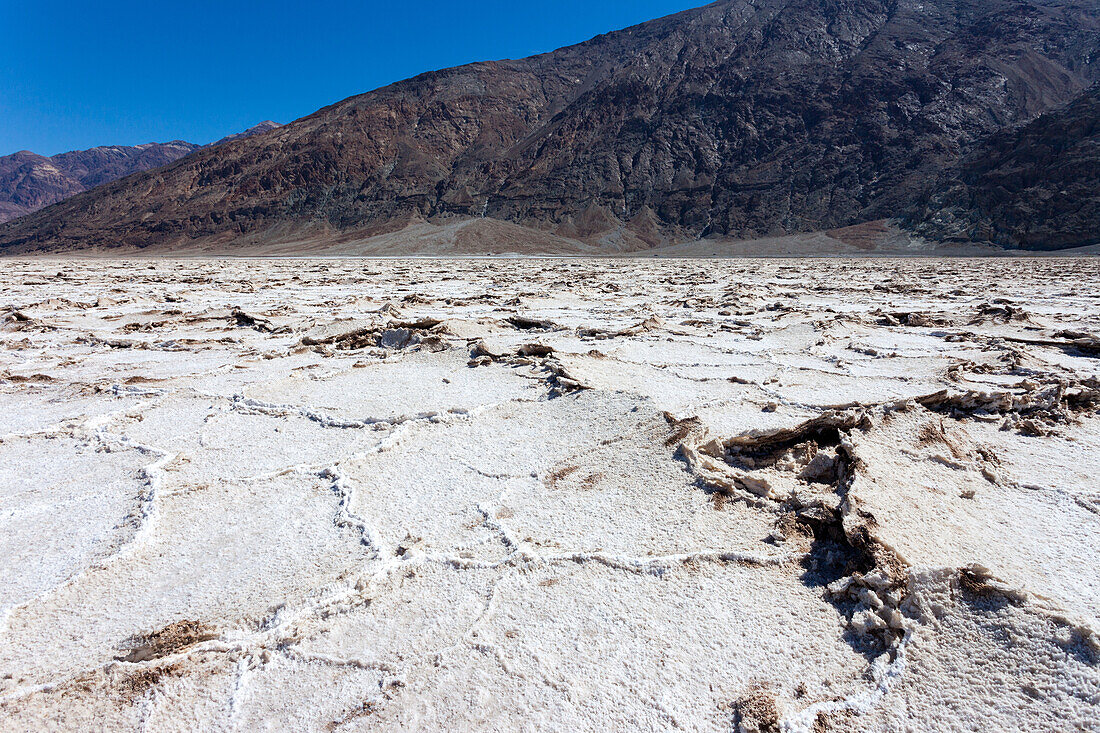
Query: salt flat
{"x": 556, "y": 495}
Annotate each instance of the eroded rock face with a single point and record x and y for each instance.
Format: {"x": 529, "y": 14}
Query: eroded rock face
{"x": 736, "y": 119}
{"x": 1037, "y": 187}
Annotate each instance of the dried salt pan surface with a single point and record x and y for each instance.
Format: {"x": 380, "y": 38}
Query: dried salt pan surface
{"x": 955, "y": 481}
{"x": 568, "y": 495}
{"x": 568, "y": 644}
{"x": 90, "y": 499}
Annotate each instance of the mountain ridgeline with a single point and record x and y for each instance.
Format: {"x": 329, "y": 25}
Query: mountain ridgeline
{"x": 29, "y": 182}
{"x": 736, "y": 120}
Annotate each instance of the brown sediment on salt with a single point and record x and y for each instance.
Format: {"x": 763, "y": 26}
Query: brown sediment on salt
{"x": 118, "y": 686}
{"x": 257, "y": 323}
{"x": 757, "y": 711}
{"x": 557, "y": 475}
{"x": 650, "y": 324}
{"x": 527, "y": 323}
{"x": 424, "y": 333}
{"x": 26, "y": 378}
{"x": 173, "y": 638}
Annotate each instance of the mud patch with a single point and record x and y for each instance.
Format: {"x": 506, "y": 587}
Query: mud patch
{"x": 173, "y": 638}
{"x": 756, "y": 712}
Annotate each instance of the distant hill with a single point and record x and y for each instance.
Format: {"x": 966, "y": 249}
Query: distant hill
{"x": 743, "y": 119}
{"x": 29, "y": 182}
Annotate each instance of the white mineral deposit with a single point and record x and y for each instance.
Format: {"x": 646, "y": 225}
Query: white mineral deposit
{"x": 332, "y": 494}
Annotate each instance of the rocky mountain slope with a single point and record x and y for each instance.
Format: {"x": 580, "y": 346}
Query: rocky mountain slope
{"x": 739, "y": 119}
{"x": 1035, "y": 187}
{"x": 29, "y": 181}
{"x": 265, "y": 126}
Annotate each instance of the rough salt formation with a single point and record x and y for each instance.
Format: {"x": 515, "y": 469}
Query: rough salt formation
{"x": 572, "y": 495}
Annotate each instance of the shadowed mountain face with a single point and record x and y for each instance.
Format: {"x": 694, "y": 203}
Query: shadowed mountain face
{"x": 737, "y": 119}
{"x": 1035, "y": 187}
{"x": 29, "y": 182}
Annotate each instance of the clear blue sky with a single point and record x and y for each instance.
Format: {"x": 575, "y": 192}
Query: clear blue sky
{"x": 79, "y": 73}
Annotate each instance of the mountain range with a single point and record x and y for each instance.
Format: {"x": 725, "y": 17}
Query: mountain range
{"x": 742, "y": 119}
{"x": 29, "y": 182}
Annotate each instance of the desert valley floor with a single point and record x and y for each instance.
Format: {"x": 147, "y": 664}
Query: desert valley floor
{"x": 558, "y": 495}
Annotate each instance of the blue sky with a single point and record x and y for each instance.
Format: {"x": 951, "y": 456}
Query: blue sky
{"x": 78, "y": 74}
